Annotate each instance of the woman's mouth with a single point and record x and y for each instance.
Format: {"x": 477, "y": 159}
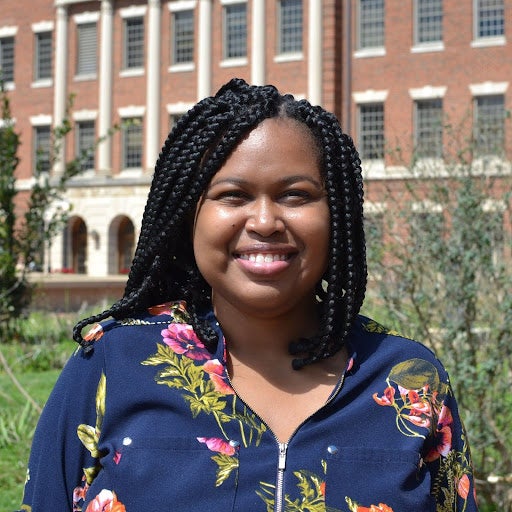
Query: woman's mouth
{"x": 263, "y": 257}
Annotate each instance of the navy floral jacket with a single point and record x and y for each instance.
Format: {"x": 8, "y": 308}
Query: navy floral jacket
{"x": 149, "y": 422}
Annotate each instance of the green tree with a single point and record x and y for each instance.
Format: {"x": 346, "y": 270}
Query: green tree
{"x": 442, "y": 273}
{"x": 23, "y": 235}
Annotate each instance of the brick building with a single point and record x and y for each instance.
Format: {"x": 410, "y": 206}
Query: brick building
{"x": 387, "y": 68}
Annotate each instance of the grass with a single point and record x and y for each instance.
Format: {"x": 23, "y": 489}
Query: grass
{"x": 34, "y": 360}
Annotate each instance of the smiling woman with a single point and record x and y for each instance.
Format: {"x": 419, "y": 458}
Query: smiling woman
{"x": 236, "y": 372}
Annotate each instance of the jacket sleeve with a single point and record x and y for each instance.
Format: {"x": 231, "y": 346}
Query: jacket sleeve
{"x": 62, "y": 445}
{"x": 449, "y": 460}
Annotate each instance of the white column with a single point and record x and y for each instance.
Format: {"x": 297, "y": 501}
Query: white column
{"x": 153, "y": 84}
{"x": 315, "y": 52}
{"x": 59, "y": 91}
{"x": 204, "y": 66}
{"x": 258, "y": 43}
{"x": 105, "y": 88}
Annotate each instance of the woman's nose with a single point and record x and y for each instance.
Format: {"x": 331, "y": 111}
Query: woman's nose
{"x": 264, "y": 218}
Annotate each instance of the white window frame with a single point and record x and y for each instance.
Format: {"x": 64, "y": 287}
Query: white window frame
{"x": 369, "y": 51}
{"x": 426, "y": 46}
{"x": 127, "y": 113}
{"x": 281, "y": 55}
{"x": 127, "y": 14}
{"x": 43, "y": 27}
{"x": 7, "y": 32}
{"x": 175, "y": 7}
{"x": 86, "y": 18}
{"x": 233, "y": 61}
{"x": 483, "y": 41}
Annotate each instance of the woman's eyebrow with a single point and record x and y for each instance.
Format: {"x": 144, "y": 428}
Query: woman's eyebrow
{"x": 287, "y": 180}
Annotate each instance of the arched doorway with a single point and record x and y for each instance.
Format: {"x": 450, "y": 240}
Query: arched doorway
{"x": 75, "y": 246}
{"x": 125, "y": 245}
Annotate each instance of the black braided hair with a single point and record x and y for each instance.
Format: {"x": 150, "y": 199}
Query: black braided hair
{"x": 164, "y": 267}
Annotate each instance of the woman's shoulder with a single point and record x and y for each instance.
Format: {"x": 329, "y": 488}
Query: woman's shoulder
{"x": 155, "y": 316}
{"x": 372, "y": 340}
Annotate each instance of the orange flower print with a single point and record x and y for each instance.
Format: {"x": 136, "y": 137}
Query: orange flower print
{"x": 105, "y": 501}
{"x": 215, "y": 370}
{"x": 94, "y": 333}
{"x": 355, "y": 507}
{"x": 443, "y": 436}
{"x": 388, "y": 398}
{"x": 216, "y": 444}
{"x": 463, "y": 487}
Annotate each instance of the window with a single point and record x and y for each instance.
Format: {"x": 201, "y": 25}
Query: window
{"x": 87, "y": 49}
{"x": 235, "y": 31}
{"x": 371, "y": 23}
{"x": 7, "y": 59}
{"x": 429, "y": 21}
{"x": 490, "y": 125}
{"x": 85, "y": 143}
{"x": 290, "y": 26}
{"x": 41, "y": 157}
{"x": 371, "y": 131}
{"x": 490, "y": 20}
{"x": 132, "y": 144}
{"x": 183, "y": 37}
{"x": 133, "y": 56}
{"x": 43, "y": 56}
{"x": 428, "y": 128}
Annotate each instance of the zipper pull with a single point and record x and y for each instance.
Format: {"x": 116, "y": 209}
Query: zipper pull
{"x": 282, "y": 456}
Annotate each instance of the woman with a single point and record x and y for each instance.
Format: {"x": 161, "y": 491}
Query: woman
{"x": 236, "y": 373}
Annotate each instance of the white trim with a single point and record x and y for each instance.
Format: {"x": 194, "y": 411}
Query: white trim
{"x": 230, "y": 63}
{"x": 488, "y": 88}
{"x": 232, "y": 2}
{"x": 41, "y": 120}
{"x": 427, "y": 206}
{"x": 131, "y": 111}
{"x": 289, "y": 57}
{"x": 7, "y": 123}
{"x": 87, "y": 17}
{"x": 44, "y": 82}
{"x": 378, "y": 51}
{"x": 427, "y": 92}
{"x": 179, "y": 68}
{"x": 85, "y": 115}
{"x": 375, "y": 207}
{"x": 178, "y": 108}
{"x": 437, "y": 46}
{"x": 484, "y": 42}
{"x": 131, "y": 72}
{"x": 182, "y": 5}
{"x": 43, "y": 26}
{"x": 7, "y": 31}
{"x": 134, "y": 11}
{"x": 370, "y": 96}
{"x": 494, "y": 205}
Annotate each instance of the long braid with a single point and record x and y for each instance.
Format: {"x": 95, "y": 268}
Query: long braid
{"x": 164, "y": 267}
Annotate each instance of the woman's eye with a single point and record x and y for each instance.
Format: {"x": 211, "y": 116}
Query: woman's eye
{"x": 296, "y": 196}
{"x": 232, "y": 196}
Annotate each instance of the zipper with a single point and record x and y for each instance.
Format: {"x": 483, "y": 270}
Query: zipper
{"x": 281, "y": 466}
{"x": 283, "y": 447}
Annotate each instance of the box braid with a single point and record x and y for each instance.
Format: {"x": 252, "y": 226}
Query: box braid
{"x": 164, "y": 267}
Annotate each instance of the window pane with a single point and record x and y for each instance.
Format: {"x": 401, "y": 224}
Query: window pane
{"x": 371, "y": 23}
{"x": 132, "y": 144}
{"x": 371, "y": 118}
{"x": 429, "y": 21}
{"x": 429, "y": 128}
{"x": 87, "y": 44}
{"x": 183, "y": 34}
{"x": 134, "y": 43}
{"x": 490, "y": 125}
{"x": 290, "y": 33}
{"x": 43, "y": 56}
{"x": 491, "y": 18}
{"x": 7, "y": 59}
{"x": 235, "y": 31}
{"x": 42, "y": 136}
{"x": 86, "y": 137}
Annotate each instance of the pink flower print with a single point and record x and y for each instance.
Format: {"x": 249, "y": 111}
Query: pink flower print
{"x": 215, "y": 370}
{"x": 215, "y": 444}
{"x": 117, "y": 457}
{"x": 388, "y": 398}
{"x": 183, "y": 340}
{"x": 105, "y": 501}
{"x": 443, "y": 436}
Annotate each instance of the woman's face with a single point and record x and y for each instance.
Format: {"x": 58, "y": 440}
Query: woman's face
{"x": 261, "y": 234}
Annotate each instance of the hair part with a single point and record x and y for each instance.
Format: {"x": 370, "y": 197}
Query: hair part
{"x": 164, "y": 268}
